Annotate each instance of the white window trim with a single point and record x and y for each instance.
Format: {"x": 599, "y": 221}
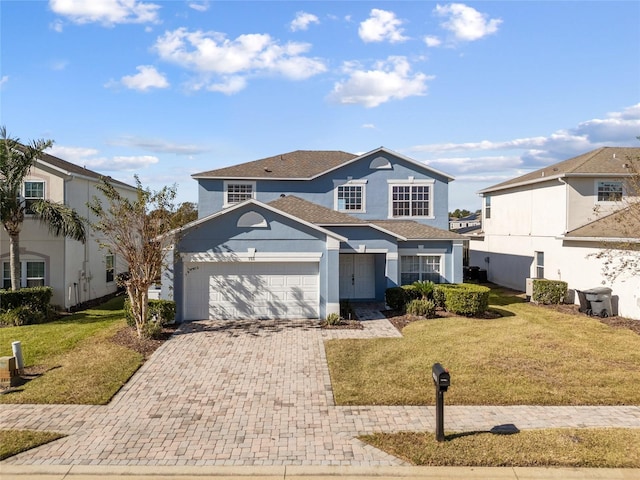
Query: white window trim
{"x": 24, "y": 190}
{"x": 350, "y": 182}
{"x": 23, "y": 271}
{"x": 419, "y": 253}
{"x": 225, "y": 202}
{"x": 411, "y": 181}
{"x": 608, "y": 202}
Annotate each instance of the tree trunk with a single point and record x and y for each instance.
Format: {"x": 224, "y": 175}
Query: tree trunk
{"x": 14, "y": 260}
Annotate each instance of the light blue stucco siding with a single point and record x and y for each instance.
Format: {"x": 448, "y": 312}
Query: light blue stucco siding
{"x": 321, "y": 190}
{"x": 221, "y": 235}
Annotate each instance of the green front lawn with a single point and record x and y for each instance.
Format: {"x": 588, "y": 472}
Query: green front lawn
{"x": 530, "y": 356}
{"x": 72, "y": 360}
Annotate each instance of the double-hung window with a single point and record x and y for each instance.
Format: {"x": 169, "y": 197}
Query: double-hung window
{"x": 415, "y": 268}
{"x": 539, "y": 264}
{"x": 411, "y": 199}
{"x": 609, "y": 191}
{"x": 33, "y": 191}
{"x": 487, "y": 206}
{"x": 110, "y": 264}
{"x": 31, "y": 274}
{"x": 236, "y": 192}
{"x": 350, "y": 197}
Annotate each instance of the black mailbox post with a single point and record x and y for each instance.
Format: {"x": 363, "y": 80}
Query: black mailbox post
{"x": 442, "y": 381}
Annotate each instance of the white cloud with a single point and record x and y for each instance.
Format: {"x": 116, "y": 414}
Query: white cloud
{"x": 88, "y": 158}
{"x": 202, "y": 6}
{"x": 57, "y": 26}
{"x": 432, "y": 41}
{"x": 302, "y": 21}
{"x": 466, "y": 23}
{"x": 369, "y": 125}
{"x": 211, "y": 53}
{"x": 146, "y": 78}
{"x": 157, "y": 145}
{"x": 388, "y": 80}
{"x": 106, "y": 12}
{"x": 518, "y": 156}
{"x": 381, "y": 25}
{"x": 4, "y": 80}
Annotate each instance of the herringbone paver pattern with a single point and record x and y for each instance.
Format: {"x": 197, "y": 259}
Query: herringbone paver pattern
{"x": 254, "y": 393}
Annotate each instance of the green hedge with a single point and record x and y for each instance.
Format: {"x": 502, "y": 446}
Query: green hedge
{"x": 395, "y": 297}
{"x": 163, "y": 310}
{"x": 549, "y": 291}
{"x": 462, "y": 299}
{"x": 35, "y": 298}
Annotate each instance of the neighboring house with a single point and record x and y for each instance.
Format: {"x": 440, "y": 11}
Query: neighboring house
{"x": 473, "y": 220}
{"x": 77, "y": 272}
{"x": 290, "y": 236}
{"x": 550, "y": 223}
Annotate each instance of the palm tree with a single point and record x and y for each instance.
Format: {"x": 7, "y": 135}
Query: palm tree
{"x": 16, "y": 161}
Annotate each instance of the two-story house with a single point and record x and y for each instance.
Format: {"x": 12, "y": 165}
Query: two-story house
{"x": 77, "y": 272}
{"x": 291, "y": 235}
{"x": 552, "y": 223}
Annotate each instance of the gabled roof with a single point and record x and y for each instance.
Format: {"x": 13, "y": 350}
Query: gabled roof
{"x": 301, "y": 165}
{"x": 609, "y": 161}
{"x": 620, "y": 226}
{"x": 257, "y": 203}
{"x": 71, "y": 169}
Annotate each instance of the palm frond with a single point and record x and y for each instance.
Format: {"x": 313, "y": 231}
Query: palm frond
{"x": 60, "y": 219}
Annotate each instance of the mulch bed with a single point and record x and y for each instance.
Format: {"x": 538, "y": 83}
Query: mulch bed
{"x": 400, "y": 320}
{"x": 128, "y": 337}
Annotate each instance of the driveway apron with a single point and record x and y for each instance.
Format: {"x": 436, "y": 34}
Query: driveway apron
{"x": 251, "y": 393}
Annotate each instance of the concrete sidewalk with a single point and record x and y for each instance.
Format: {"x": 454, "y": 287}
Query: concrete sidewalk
{"x": 51, "y": 472}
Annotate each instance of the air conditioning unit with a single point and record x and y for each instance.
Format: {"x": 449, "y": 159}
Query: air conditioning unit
{"x": 528, "y": 287}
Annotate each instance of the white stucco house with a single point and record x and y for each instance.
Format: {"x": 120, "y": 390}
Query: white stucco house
{"x": 77, "y": 272}
{"x": 551, "y": 222}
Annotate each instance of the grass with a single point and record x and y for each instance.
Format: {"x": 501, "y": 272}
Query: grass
{"x": 76, "y": 361}
{"x": 587, "y": 448}
{"x": 13, "y": 442}
{"x": 531, "y": 356}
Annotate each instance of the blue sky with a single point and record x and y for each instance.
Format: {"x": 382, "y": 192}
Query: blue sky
{"x": 483, "y": 91}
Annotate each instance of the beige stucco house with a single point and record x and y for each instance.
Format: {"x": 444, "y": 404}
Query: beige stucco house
{"x": 77, "y": 272}
{"x": 551, "y": 223}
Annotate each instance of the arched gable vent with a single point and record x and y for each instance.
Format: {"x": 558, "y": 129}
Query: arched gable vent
{"x": 252, "y": 220}
{"x": 379, "y": 163}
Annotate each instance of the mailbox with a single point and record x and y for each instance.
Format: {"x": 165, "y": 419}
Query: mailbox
{"x": 441, "y": 377}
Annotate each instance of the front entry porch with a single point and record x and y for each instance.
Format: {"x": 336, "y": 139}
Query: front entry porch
{"x": 357, "y": 276}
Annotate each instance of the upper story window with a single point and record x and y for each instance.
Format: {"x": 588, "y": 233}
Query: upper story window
{"x": 487, "y": 206}
{"x": 411, "y": 199}
{"x": 236, "y": 192}
{"x": 610, "y": 191}
{"x": 350, "y": 195}
{"x": 33, "y": 191}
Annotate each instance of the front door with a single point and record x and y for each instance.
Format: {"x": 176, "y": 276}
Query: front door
{"x": 357, "y": 276}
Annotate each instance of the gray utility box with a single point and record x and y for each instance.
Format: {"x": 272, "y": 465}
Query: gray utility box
{"x": 599, "y": 299}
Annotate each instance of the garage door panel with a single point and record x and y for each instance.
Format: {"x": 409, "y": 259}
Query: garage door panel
{"x": 228, "y": 290}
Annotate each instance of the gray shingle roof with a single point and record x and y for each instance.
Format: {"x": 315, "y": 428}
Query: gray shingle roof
{"x": 603, "y": 161}
{"x": 302, "y": 164}
{"x": 312, "y": 212}
{"x": 416, "y": 231}
{"x": 73, "y": 169}
{"x": 623, "y": 224}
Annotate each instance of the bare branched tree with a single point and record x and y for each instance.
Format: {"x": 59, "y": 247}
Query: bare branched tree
{"x": 133, "y": 230}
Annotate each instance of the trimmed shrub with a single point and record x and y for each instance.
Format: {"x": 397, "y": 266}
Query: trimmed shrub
{"x": 466, "y": 299}
{"x": 424, "y": 289}
{"x": 422, "y": 308}
{"x": 164, "y": 311}
{"x": 439, "y": 294}
{"x": 396, "y": 298}
{"x": 36, "y": 298}
{"x": 333, "y": 319}
{"x": 410, "y": 293}
{"x": 22, "y": 315}
{"x": 549, "y": 291}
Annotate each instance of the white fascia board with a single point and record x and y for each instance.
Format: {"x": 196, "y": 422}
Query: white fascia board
{"x": 600, "y": 239}
{"x": 520, "y": 184}
{"x": 258, "y": 204}
{"x": 285, "y": 257}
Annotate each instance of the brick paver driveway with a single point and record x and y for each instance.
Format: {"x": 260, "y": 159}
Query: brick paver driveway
{"x": 251, "y": 393}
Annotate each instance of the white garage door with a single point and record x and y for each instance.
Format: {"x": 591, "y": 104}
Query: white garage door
{"x": 255, "y": 290}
